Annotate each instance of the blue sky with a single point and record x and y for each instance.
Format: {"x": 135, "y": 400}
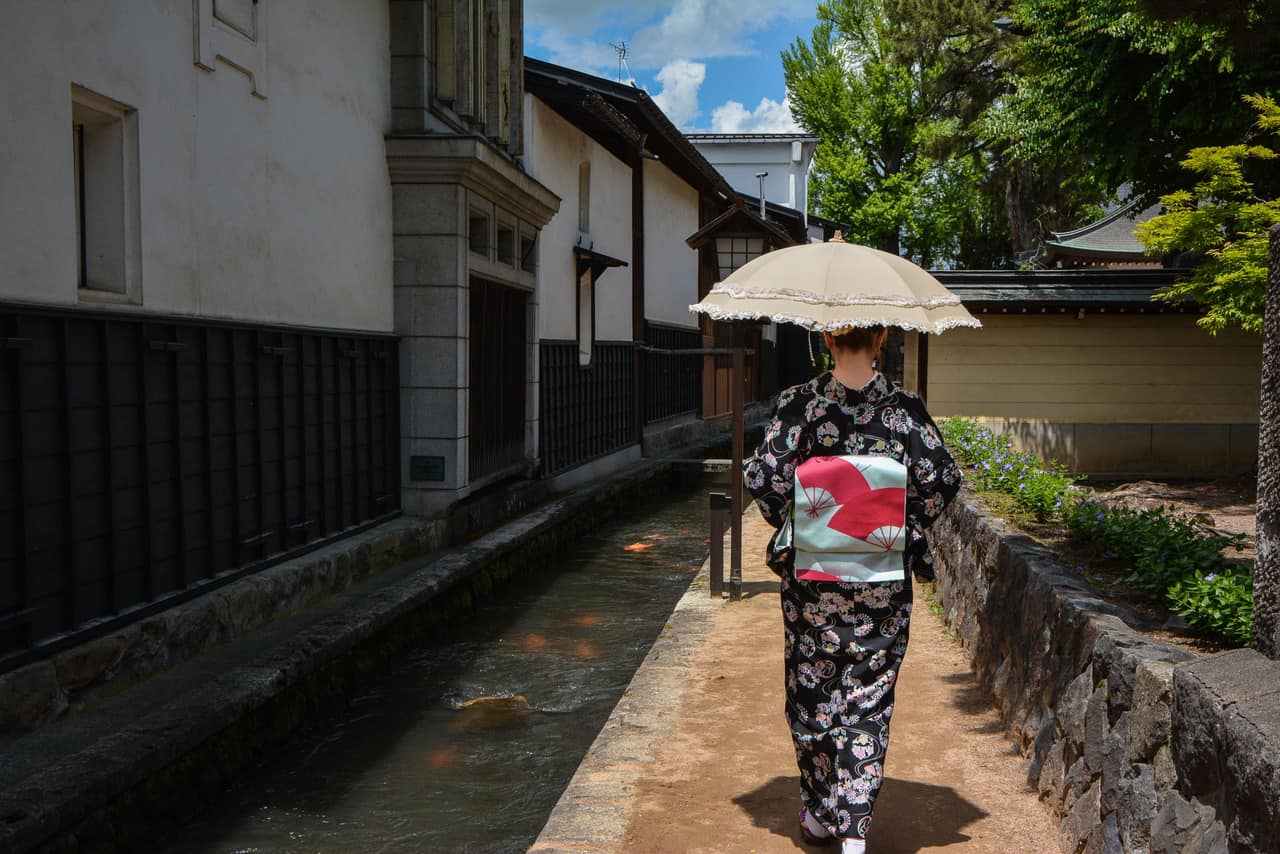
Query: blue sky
{"x": 712, "y": 65}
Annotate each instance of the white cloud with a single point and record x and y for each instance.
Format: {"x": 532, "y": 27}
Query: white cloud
{"x": 680, "y": 81}
{"x": 577, "y": 34}
{"x": 769, "y": 116}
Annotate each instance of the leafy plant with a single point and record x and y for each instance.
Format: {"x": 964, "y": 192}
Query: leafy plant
{"x": 994, "y": 465}
{"x": 1171, "y": 557}
{"x": 1223, "y": 219}
{"x": 1167, "y": 556}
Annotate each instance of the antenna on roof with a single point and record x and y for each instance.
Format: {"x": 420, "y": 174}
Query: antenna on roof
{"x": 621, "y": 48}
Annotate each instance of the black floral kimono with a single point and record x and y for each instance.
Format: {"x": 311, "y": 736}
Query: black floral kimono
{"x": 845, "y": 642}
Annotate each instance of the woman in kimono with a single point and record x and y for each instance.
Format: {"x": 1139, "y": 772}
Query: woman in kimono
{"x": 845, "y": 641}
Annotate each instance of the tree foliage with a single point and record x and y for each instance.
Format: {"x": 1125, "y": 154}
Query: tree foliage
{"x": 1128, "y": 87}
{"x": 889, "y": 87}
{"x": 1223, "y": 218}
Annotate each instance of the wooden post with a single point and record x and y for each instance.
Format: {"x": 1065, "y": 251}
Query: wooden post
{"x": 1266, "y": 576}
{"x": 719, "y": 505}
{"x": 735, "y": 475}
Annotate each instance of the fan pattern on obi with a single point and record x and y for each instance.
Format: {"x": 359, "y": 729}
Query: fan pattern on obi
{"x": 849, "y": 520}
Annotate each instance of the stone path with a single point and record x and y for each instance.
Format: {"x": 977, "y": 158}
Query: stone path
{"x": 696, "y": 758}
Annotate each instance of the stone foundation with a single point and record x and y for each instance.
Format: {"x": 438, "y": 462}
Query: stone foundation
{"x": 1132, "y": 745}
{"x": 43, "y": 691}
{"x": 153, "y": 765}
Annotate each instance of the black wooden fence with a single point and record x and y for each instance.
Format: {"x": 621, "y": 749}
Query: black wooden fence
{"x": 673, "y": 384}
{"x": 586, "y": 412}
{"x": 144, "y": 461}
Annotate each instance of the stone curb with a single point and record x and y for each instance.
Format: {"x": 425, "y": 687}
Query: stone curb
{"x": 1226, "y": 743}
{"x": 171, "y": 757}
{"x": 595, "y": 809}
{"x": 1085, "y": 695}
{"x": 43, "y": 692}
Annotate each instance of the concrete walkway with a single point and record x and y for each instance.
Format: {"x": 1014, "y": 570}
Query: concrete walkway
{"x": 696, "y": 757}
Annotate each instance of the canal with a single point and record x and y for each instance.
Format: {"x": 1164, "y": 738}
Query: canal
{"x": 465, "y": 744}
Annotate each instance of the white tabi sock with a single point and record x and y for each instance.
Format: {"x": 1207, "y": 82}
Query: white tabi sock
{"x": 853, "y": 846}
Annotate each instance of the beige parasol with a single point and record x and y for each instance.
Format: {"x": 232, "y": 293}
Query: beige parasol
{"x": 833, "y": 285}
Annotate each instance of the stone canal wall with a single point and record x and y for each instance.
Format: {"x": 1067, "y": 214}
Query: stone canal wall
{"x": 115, "y": 776}
{"x": 1132, "y": 744}
{"x": 47, "y": 690}
{"x": 41, "y": 692}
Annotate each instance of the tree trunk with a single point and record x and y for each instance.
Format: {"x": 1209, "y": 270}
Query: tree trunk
{"x": 1266, "y": 576}
{"x": 1018, "y": 202}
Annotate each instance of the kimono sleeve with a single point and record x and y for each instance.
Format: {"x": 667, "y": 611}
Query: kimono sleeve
{"x": 769, "y": 474}
{"x": 933, "y": 479}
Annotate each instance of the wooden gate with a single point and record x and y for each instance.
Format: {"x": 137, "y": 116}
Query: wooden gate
{"x": 499, "y": 372}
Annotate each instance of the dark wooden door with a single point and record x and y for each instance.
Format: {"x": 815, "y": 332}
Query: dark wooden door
{"x": 499, "y": 369}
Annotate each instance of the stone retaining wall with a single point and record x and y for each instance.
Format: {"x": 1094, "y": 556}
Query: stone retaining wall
{"x": 1132, "y": 745}
{"x": 45, "y": 690}
{"x": 128, "y": 785}
{"x": 40, "y": 693}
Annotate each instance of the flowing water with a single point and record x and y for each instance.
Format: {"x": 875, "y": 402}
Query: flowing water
{"x": 464, "y": 745}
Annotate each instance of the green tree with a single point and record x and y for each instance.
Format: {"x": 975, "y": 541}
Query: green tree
{"x": 891, "y": 103}
{"x": 1127, "y": 87}
{"x": 1224, "y": 219}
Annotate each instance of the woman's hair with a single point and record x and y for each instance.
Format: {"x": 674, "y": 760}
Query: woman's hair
{"x": 857, "y": 338}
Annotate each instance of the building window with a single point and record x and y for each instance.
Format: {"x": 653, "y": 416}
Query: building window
{"x": 479, "y": 77}
{"x": 104, "y": 146}
{"x": 506, "y": 243}
{"x": 528, "y": 251}
{"x": 733, "y": 252}
{"x": 586, "y": 315}
{"x": 478, "y": 232}
{"x": 446, "y": 52}
{"x": 584, "y": 197}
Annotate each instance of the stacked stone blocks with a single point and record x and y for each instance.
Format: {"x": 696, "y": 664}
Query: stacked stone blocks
{"x": 1134, "y": 746}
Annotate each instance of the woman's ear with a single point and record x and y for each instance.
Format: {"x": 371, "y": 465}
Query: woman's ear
{"x": 828, "y": 341}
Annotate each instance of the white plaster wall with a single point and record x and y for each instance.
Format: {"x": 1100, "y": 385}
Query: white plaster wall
{"x": 275, "y": 210}
{"x": 670, "y": 266}
{"x": 739, "y": 162}
{"x": 553, "y": 150}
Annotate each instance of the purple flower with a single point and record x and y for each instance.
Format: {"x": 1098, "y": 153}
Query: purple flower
{"x": 1211, "y": 576}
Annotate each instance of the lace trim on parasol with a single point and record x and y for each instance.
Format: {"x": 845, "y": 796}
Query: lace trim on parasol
{"x": 716, "y": 312}
{"x": 810, "y": 298}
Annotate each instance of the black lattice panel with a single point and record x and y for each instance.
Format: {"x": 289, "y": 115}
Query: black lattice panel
{"x": 586, "y": 412}
{"x": 143, "y": 462}
{"x": 673, "y": 384}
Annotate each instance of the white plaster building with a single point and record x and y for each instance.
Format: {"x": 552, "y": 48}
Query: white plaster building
{"x": 741, "y": 157}
{"x": 614, "y": 266}
{"x": 209, "y": 165}
{"x": 258, "y": 256}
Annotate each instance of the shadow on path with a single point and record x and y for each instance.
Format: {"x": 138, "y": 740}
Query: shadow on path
{"x": 909, "y": 816}
{"x": 975, "y": 703}
{"x": 751, "y": 589}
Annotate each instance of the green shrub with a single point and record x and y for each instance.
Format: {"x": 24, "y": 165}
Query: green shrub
{"x": 1173, "y": 558}
{"x": 1219, "y": 602}
{"x": 1161, "y": 547}
{"x": 1167, "y": 556}
{"x": 992, "y": 464}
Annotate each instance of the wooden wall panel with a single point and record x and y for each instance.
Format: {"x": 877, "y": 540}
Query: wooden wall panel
{"x": 1101, "y": 368}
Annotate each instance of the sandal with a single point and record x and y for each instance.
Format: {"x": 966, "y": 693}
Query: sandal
{"x": 809, "y": 837}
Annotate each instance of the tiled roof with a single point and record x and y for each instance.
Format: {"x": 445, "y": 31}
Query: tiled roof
{"x": 752, "y": 137}
{"x": 1059, "y": 288}
{"x": 1111, "y": 236}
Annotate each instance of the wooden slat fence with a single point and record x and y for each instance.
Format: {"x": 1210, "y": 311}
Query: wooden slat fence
{"x": 144, "y": 461}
